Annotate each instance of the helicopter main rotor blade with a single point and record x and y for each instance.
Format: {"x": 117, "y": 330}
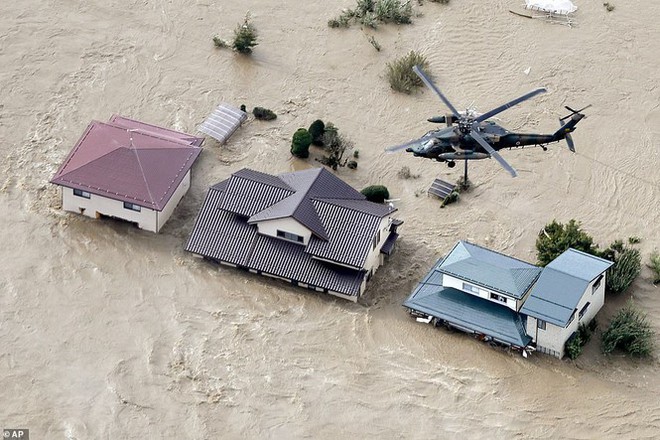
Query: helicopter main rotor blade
{"x": 509, "y": 104}
{"x": 569, "y": 141}
{"x": 432, "y": 86}
{"x": 481, "y": 141}
{"x": 396, "y": 148}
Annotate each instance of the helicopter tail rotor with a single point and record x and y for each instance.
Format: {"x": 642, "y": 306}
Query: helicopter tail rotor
{"x": 573, "y": 112}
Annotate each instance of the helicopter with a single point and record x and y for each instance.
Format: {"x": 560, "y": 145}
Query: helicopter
{"x": 472, "y": 136}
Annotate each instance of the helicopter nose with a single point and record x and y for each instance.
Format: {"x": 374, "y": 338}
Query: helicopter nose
{"x": 409, "y": 150}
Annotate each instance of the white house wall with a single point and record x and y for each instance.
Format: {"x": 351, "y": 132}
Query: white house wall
{"x": 449, "y": 281}
{"x": 375, "y": 258}
{"x": 288, "y": 224}
{"x": 555, "y": 337}
{"x": 146, "y": 219}
{"x": 167, "y": 211}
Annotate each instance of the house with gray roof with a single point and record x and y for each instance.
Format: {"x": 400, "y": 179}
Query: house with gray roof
{"x": 128, "y": 169}
{"x": 306, "y": 227}
{"x": 510, "y": 301}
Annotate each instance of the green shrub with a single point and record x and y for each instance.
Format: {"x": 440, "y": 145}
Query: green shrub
{"x": 452, "y": 197}
{"x": 316, "y": 129}
{"x": 556, "y": 238}
{"x": 374, "y": 43}
{"x": 243, "y": 108}
{"x": 629, "y": 331}
{"x": 400, "y": 74}
{"x": 245, "y": 36}
{"x": 335, "y": 146}
{"x": 609, "y": 7}
{"x": 654, "y": 265}
{"x": 371, "y": 13}
{"x": 376, "y": 193}
{"x": 573, "y": 346}
{"x": 356, "y": 154}
{"x": 627, "y": 265}
{"x": 300, "y": 143}
{"x": 352, "y": 164}
{"x": 263, "y": 114}
{"x": 393, "y": 11}
{"x": 219, "y": 42}
{"x": 405, "y": 173}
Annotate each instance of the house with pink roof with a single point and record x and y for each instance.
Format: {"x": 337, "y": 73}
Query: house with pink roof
{"x": 129, "y": 170}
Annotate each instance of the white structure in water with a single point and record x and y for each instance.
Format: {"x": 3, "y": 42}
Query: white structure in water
{"x": 128, "y": 170}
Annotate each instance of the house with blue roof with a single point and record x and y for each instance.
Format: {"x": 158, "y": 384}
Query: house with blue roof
{"x": 307, "y": 227}
{"x": 510, "y": 301}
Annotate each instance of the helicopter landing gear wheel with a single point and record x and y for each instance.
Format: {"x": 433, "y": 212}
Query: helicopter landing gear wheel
{"x": 451, "y": 164}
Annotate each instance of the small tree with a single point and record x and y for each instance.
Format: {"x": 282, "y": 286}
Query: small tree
{"x": 555, "y": 238}
{"x": 400, "y": 74}
{"x": 316, "y": 130}
{"x": 629, "y": 331}
{"x": 300, "y": 143}
{"x": 335, "y": 145}
{"x": 376, "y": 193}
{"x": 263, "y": 114}
{"x": 245, "y": 36}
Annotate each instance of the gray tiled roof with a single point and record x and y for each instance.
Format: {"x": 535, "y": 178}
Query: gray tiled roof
{"x": 490, "y": 269}
{"x": 467, "y": 311}
{"x": 220, "y": 235}
{"x": 248, "y": 194}
{"x": 350, "y": 234}
{"x": 344, "y": 226}
{"x": 562, "y": 283}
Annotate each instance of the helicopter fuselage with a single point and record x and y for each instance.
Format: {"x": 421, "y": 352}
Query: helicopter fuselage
{"x": 449, "y": 144}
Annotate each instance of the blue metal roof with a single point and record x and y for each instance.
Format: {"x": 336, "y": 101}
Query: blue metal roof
{"x": 490, "y": 269}
{"x": 467, "y": 311}
{"x": 580, "y": 264}
{"x": 562, "y": 283}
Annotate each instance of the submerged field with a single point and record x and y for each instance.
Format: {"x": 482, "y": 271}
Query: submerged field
{"x": 110, "y": 332}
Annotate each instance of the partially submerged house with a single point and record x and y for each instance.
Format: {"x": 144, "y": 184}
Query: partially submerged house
{"x": 307, "y": 227}
{"x": 510, "y": 301}
{"x": 129, "y": 170}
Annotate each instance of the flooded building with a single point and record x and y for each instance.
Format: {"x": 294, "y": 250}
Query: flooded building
{"x": 307, "y": 227}
{"x": 510, "y": 301}
{"x": 128, "y": 170}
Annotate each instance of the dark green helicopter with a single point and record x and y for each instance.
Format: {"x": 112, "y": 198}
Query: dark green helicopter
{"x": 470, "y": 136}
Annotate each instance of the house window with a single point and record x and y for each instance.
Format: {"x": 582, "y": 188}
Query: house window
{"x": 291, "y": 237}
{"x": 584, "y": 310}
{"x": 376, "y": 240}
{"x": 471, "y": 288}
{"x": 597, "y": 283}
{"x": 497, "y": 297}
{"x": 540, "y": 324}
{"x": 81, "y": 193}
{"x": 132, "y": 207}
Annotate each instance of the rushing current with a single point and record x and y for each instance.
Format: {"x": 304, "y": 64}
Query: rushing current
{"x": 110, "y": 332}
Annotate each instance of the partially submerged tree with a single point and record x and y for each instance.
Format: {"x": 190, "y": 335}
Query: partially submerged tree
{"x": 629, "y": 331}
{"x": 335, "y": 145}
{"x": 316, "y": 129}
{"x": 376, "y": 193}
{"x": 400, "y": 74}
{"x": 627, "y": 265}
{"x": 263, "y": 114}
{"x": 245, "y": 36}
{"x": 371, "y": 13}
{"x": 556, "y": 238}
{"x": 300, "y": 143}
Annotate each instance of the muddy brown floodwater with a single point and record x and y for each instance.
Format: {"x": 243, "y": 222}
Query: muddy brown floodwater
{"x": 109, "y": 332}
